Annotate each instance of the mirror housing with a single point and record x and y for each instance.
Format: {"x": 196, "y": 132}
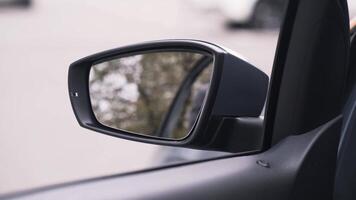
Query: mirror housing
{"x": 237, "y": 90}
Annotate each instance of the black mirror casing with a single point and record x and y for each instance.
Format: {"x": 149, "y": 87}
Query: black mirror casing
{"x": 237, "y": 89}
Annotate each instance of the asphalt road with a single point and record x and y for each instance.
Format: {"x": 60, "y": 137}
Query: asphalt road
{"x": 40, "y": 140}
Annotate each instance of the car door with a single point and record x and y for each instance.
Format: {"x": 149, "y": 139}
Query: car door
{"x": 301, "y": 128}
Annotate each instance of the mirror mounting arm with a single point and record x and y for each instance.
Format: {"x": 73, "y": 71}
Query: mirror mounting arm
{"x": 243, "y": 134}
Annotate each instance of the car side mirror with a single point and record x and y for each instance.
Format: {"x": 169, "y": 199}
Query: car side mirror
{"x": 173, "y": 92}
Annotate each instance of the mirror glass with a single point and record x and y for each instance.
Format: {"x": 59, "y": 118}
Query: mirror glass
{"x": 158, "y": 94}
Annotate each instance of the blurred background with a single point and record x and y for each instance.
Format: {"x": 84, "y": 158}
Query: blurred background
{"x": 41, "y": 142}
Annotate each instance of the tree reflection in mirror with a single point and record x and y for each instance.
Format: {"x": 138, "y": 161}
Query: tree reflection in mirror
{"x": 141, "y": 94}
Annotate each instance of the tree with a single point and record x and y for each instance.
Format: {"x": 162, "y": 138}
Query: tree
{"x": 134, "y": 93}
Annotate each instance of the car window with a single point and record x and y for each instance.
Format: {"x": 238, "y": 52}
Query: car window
{"x": 41, "y": 142}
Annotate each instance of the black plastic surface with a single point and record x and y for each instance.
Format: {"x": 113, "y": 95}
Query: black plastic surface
{"x": 345, "y": 181}
{"x": 309, "y": 74}
{"x": 299, "y": 167}
{"x": 241, "y": 134}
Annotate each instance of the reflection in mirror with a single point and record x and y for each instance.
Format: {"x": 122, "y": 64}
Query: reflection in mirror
{"x": 156, "y": 94}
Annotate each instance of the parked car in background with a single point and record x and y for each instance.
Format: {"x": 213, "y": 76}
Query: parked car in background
{"x": 253, "y": 13}
{"x": 249, "y": 13}
{"x": 17, "y": 3}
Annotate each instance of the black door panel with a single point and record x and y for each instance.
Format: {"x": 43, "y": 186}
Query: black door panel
{"x": 299, "y": 167}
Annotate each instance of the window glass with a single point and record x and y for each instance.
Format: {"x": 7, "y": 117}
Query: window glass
{"x": 41, "y": 142}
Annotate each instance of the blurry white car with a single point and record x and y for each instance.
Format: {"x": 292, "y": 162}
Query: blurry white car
{"x": 257, "y": 13}
{"x": 254, "y": 13}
